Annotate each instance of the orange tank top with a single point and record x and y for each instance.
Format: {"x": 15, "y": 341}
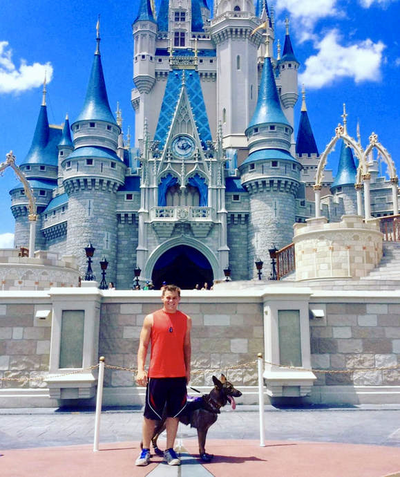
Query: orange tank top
{"x": 167, "y": 340}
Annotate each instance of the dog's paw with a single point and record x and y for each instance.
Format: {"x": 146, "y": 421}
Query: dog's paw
{"x": 206, "y": 457}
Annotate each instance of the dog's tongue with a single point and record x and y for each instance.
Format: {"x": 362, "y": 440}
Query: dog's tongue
{"x": 232, "y": 401}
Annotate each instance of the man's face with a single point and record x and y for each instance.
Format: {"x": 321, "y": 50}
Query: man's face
{"x": 171, "y": 301}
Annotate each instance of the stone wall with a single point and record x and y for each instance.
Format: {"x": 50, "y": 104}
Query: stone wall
{"x": 363, "y": 337}
{"x": 224, "y": 336}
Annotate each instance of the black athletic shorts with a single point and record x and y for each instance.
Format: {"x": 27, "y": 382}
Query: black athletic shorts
{"x": 165, "y": 392}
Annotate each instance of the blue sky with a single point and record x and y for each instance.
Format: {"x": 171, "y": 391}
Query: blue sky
{"x": 348, "y": 50}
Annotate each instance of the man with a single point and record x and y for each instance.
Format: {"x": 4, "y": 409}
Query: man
{"x": 168, "y": 331}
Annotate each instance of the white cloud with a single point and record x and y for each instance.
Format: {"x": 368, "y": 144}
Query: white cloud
{"x": 369, "y": 3}
{"x": 305, "y": 14}
{"x": 360, "y": 61}
{"x": 7, "y": 240}
{"x": 24, "y": 78}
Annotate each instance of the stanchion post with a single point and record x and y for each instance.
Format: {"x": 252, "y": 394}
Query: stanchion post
{"x": 260, "y": 365}
{"x": 99, "y": 402}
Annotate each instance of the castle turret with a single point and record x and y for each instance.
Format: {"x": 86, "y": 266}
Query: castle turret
{"x": 40, "y": 168}
{"x": 92, "y": 174}
{"x": 231, "y": 30}
{"x": 270, "y": 174}
{"x": 288, "y": 76}
{"x": 65, "y": 147}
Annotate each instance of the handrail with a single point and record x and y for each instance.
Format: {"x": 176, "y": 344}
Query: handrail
{"x": 390, "y": 227}
{"x": 285, "y": 261}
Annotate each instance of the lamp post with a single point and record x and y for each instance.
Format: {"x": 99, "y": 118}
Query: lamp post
{"x": 272, "y": 254}
{"x": 89, "y": 249}
{"x": 227, "y": 273}
{"x": 136, "y": 284}
{"x": 103, "y": 265}
{"x": 259, "y": 264}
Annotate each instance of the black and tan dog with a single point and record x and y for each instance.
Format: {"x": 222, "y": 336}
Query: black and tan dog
{"x": 202, "y": 413}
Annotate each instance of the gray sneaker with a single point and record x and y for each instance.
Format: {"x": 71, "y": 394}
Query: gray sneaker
{"x": 171, "y": 458}
{"x": 144, "y": 458}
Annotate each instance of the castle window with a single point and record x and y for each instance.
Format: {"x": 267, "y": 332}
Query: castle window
{"x": 201, "y": 61}
{"x": 286, "y": 130}
{"x": 179, "y": 38}
{"x": 129, "y": 197}
{"x": 302, "y": 203}
{"x": 294, "y": 166}
{"x": 61, "y": 153}
{"x": 236, "y": 198}
{"x": 45, "y": 216}
{"x": 113, "y": 165}
{"x": 54, "y": 213}
{"x": 238, "y": 62}
{"x": 283, "y": 67}
{"x": 255, "y": 131}
{"x": 143, "y": 57}
{"x": 290, "y": 65}
{"x": 274, "y": 164}
{"x": 89, "y": 162}
{"x": 224, "y": 115}
{"x": 180, "y": 16}
{"x": 42, "y": 168}
{"x": 92, "y": 125}
{"x": 251, "y": 92}
{"x": 236, "y": 9}
{"x": 252, "y": 167}
{"x": 272, "y": 128}
{"x": 21, "y": 192}
{"x": 108, "y": 127}
{"x": 68, "y": 165}
{"x": 160, "y": 60}
{"x": 76, "y": 127}
{"x": 339, "y": 189}
{"x": 63, "y": 210}
{"x": 42, "y": 192}
{"x": 211, "y": 61}
{"x": 27, "y": 168}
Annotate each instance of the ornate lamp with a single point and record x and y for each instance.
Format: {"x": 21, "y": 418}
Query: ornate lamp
{"x": 137, "y": 271}
{"x": 272, "y": 254}
{"x": 259, "y": 264}
{"x": 103, "y": 265}
{"x": 227, "y": 273}
{"x": 89, "y": 249}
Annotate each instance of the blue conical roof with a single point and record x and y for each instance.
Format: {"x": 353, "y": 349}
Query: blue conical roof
{"x": 347, "y": 170}
{"x": 162, "y": 18}
{"x": 305, "y": 143}
{"x": 66, "y": 139}
{"x": 96, "y": 106}
{"x": 260, "y": 6}
{"x": 268, "y": 109}
{"x": 145, "y": 12}
{"x": 288, "y": 53}
{"x": 43, "y": 149}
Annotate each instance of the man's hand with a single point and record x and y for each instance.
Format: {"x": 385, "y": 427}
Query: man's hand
{"x": 187, "y": 376}
{"x": 142, "y": 378}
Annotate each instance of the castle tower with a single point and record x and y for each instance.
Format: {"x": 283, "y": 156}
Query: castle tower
{"x": 343, "y": 190}
{"x": 237, "y": 80}
{"x": 270, "y": 174}
{"x": 288, "y": 74}
{"x": 92, "y": 174}
{"x": 40, "y": 168}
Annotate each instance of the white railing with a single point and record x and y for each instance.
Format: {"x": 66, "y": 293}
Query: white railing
{"x": 190, "y": 213}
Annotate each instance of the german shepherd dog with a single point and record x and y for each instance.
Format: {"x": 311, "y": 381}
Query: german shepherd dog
{"x": 202, "y": 412}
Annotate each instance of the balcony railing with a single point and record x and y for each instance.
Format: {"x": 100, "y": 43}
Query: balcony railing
{"x": 183, "y": 213}
{"x": 390, "y": 227}
{"x": 285, "y": 261}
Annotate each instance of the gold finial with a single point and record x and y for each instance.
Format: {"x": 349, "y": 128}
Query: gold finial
{"x": 44, "y": 90}
{"x": 303, "y": 104}
{"x": 98, "y": 36}
{"x": 287, "y": 25}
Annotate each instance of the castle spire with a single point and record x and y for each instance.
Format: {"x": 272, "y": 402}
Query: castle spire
{"x": 66, "y": 139}
{"x": 288, "y": 53}
{"x": 44, "y": 91}
{"x": 96, "y": 106}
{"x": 145, "y": 12}
{"x": 305, "y": 142}
{"x": 347, "y": 170}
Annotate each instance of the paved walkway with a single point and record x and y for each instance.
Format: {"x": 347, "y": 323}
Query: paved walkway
{"x": 354, "y": 442}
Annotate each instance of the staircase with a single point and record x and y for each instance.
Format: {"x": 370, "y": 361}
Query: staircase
{"x": 389, "y": 266}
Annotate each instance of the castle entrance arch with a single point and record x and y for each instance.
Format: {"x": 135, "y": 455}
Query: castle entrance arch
{"x": 183, "y": 266}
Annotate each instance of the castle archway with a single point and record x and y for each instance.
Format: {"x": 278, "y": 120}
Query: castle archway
{"x": 183, "y": 266}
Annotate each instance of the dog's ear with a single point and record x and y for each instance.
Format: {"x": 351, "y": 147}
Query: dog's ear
{"x": 217, "y": 382}
{"x": 223, "y": 378}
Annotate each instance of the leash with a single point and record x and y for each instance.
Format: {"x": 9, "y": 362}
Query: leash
{"x": 196, "y": 390}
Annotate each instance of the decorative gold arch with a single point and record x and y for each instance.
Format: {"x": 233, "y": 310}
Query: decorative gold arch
{"x": 10, "y": 162}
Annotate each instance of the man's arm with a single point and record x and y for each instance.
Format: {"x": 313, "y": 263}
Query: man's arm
{"x": 187, "y": 348}
{"x": 145, "y": 334}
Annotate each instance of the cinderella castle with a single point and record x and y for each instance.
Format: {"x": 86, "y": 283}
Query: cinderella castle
{"x": 219, "y": 172}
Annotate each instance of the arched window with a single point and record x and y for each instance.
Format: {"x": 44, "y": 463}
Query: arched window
{"x": 251, "y": 91}
{"x": 224, "y": 115}
{"x": 238, "y": 62}
{"x": 236, "y": 9}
